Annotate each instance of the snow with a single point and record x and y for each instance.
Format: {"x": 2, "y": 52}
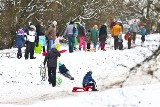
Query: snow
{"x": 21, "y": 85}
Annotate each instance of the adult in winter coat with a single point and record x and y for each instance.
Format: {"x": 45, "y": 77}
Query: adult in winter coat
{"x": 81, "y": 34}
{"x": 31, "y": 39}
{"x": 51, "y": 34}
{"x": 40, "y": 33}
{"x": 143, "y": 32}
{"x": 70, "y": 33}
{"x": 134, "y": 30}
{"x": 51, "y": 59}
{"x": 89, "y": 81}
{"x": 94, "y": 35}
{"x": 116, "y": 31}
{"x": 120, "y": 24}
{"x": 102, "y": 36}
{"x": 19, "y": 42}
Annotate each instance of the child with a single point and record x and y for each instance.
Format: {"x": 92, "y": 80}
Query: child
{"x": 128, "y": 38}
{"x": 19, "y": 42}
{"x": 64, "y": 71}
{"x": 143, "y": 32}
{"x": 57, "y": 41}
{"x": 51, "y": 59}
{"x": 88, "y": 40}
{"x": 89, "y": 81}
{"x": 120, "y": 42}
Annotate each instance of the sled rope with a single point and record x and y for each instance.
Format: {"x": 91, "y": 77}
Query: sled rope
{"x": 43, "y": 72}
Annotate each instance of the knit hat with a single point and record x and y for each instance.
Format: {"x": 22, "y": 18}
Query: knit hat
{"x": 30, "y": 23}
{"x": 53, "y": 46}
{"x": 59, "y": 64}
{"x": 20, "y": 31}
{"x": 32, "y": 27}
{"x": 54, "y": 23}
{"x": 119, "y": 21}
{"x": 95, "y": 26}
{"x": 89, "y": 72}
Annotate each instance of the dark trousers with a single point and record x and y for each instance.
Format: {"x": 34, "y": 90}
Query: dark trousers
{"x": 90, "y": 84}
{"x": 88, "y": 45}
{"x": 134, "y": 36}
{"x": 129, "y": 43}
{"x": 115, "y": 42}
{"x": 52, "y": 75}
{"x": 71, "y": 40}
{"x": 30, "y": 50}
{"x": 143, "y": 38}
{"x": 19, "y": 54}
{"x": 44, "y": 49}
{"x": 120, "y": 45}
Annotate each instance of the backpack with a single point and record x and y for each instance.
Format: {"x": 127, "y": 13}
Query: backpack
{"x": 127, "y": 36}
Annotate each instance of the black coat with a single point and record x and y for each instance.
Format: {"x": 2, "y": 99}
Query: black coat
{"x": 102, "y": 33}
{"x": 51, "y": 58}
{"x": 39, "y": 30}
{"x": 81, "y": 31}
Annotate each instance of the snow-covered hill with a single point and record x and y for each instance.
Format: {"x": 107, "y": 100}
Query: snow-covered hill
{"x": 20, "y": 80}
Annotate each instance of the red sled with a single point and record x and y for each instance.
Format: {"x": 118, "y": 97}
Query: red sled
{"x": 75, "y": 89}
{"x": 62, "y": 51}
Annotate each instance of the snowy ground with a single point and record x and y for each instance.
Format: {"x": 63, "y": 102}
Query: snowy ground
{"x": 21, "y": 85}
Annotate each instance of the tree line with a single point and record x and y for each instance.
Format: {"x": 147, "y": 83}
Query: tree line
{"x": 17, "y": 13}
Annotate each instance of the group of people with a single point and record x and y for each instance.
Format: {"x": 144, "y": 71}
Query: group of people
{"x": 33, "y": 34}
{"x": 130, "y": 36}
{"x": 85, "y": 37}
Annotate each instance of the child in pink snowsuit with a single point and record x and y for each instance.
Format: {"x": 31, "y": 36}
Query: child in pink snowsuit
{"x": 82, "y": 38}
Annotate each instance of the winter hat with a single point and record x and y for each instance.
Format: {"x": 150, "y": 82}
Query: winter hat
{"x": 20, "y": 31}
{"x": 89, "y": 72}
{"x": 95, "y": 26}
{"x": 119, "y": 21}
{"x": 54, "y": 23}
{"x": 32, "y": 27}
{"x": 53, "y": 46}
{"x": 59, "y": 64}
{"x": 30, "y": 23}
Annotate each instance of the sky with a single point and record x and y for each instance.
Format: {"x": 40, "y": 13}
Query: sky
{"x": 21, "y": 85}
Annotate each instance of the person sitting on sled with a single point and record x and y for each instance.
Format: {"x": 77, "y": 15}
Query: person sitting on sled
{"x": 89, "y": 81}
{"x": 64, "y": 71}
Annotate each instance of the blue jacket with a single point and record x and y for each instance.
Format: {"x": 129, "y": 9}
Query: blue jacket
{"x": 87, "y": 79}
{"x": 63, "y": 69}
{"x": 19, "y": 40}
{"x": 143, "y": 31}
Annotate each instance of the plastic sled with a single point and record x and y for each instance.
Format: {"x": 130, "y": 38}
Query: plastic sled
{"x": 62, "y": 51}
{"x": 38, "y": 49}
{"x": 82, "y": 89}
